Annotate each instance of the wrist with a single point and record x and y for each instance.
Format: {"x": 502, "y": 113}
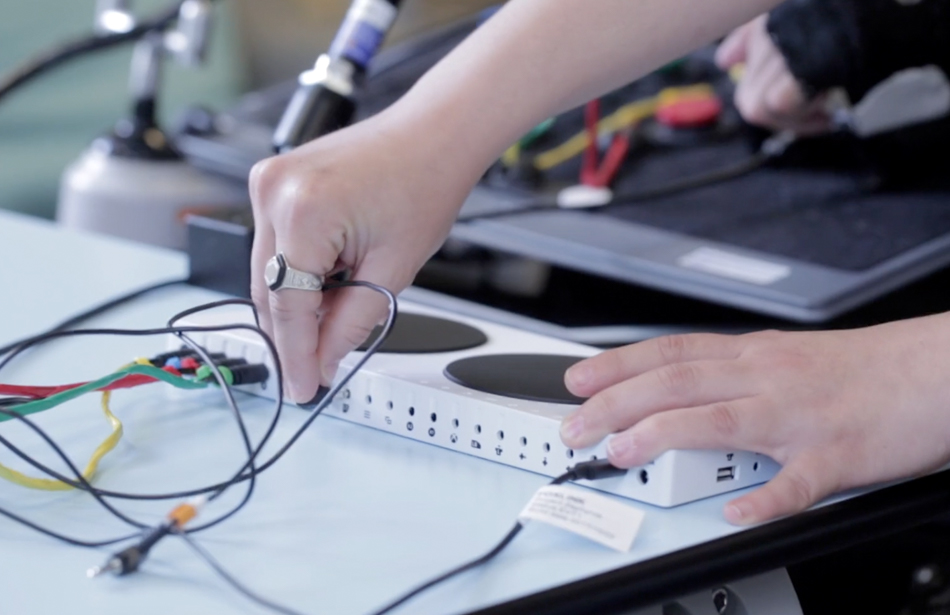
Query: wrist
{"x": 817, "y": 41}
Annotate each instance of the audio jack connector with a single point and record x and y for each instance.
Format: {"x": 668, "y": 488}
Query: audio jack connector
{"x": 128, "y": 560}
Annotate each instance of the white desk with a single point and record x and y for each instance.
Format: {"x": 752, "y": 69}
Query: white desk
{"x": 349, "y": 519}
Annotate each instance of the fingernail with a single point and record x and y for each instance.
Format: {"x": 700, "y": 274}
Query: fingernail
{"x": 329, "y": 371}
{"x": 577, "y": 376}
{"x": 321, "y": 393}
{"x": 572, "y": 428}
{"x": 620, "y": 448}
{"x": 736, "y": 515}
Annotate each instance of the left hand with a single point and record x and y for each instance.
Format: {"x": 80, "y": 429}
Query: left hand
{"x": 838, "y": 409}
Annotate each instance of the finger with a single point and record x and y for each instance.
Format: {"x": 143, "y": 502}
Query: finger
{"x": 799, "y": 485}
{"x": 679, "y": 385}
{"x": 732, "y": 50}
{"x": 592, "y": 375}
{"x": 295, "y": 314}
{"x": 352, "y": 313}
{"x": 261, "y": 251}
{"x": 738, "y": 424}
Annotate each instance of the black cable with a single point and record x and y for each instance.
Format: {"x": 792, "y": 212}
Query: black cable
{"x": 62, "y": 537}
{"x": 475, "y": 563}
{"x": 80, "y": 482}
{"x": 716, "y": 176}
{"x": 69, "y": 464}
{"x": 373, "y": 348}
{"x": 248, "y": 471}
{"x": 233, "y": 582}
{"x": 46, "y": 61}
{"x": 588, "y": 470}
{"x": 92, "y": 313}
{"x": 701, "y": 180}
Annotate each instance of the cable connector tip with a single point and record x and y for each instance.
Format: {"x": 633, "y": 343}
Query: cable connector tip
{"x": 113, "y": 565}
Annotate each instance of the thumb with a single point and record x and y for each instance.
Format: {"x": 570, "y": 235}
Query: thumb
{"x": 800, "y": 484}
{"x": 351, "y": 313}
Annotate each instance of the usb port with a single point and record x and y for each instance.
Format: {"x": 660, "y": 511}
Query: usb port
{"x": 726, "y": 473}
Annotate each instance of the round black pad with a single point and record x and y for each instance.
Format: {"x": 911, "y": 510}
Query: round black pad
{"x": 415, "y": 333}
{"x": 536, "y": 377}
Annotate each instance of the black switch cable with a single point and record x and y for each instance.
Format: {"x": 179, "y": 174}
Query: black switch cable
{"x": 588, "y": 470}
{"x": 92, "y": 312}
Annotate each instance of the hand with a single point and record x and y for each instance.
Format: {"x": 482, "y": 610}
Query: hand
{"x": 838, "y": 409}
{"x": 377, "y": 199}
{"x": 767, "y": 94}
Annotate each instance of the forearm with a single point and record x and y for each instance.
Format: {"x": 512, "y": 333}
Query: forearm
{"x": 536, "y": 58}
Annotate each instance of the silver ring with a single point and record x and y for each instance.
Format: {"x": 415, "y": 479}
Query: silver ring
{"x": 280, "y": 275}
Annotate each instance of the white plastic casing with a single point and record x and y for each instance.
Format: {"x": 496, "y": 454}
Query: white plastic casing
{"x": 408, "y": 395}
{"x": 141, "y": 200}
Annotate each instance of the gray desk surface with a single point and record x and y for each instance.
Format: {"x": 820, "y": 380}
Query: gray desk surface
{"x": 350, "y": 518}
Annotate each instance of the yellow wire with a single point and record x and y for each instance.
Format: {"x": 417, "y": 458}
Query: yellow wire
{"x": 107, "y": 445}
{"x": 511, "y": 155}
{"x": 48, "y": 484}
{"x": 626, "y": 116}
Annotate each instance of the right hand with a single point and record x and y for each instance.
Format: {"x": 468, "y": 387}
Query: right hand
{"x": 378, "y": 199}
{"x": 768, "y": 94}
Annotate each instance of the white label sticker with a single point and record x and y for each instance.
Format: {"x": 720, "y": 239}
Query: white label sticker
{"x": 587, "y": 514}
{"x": 726, "y": 264}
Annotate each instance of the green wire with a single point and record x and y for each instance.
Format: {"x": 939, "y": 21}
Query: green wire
{"x": 60, "y": 398}
{"x": 536, "y": 133}
{"x": 204, "y": 374}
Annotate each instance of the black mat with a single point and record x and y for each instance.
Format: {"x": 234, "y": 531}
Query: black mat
{"x": 535, "y": 377}
{"x": 416, "y": 333}
{"x": 839, "y": 220}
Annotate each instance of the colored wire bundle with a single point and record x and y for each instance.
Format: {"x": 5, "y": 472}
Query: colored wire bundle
{"x": 246, "y": 473}
{"x": 44, "y": 398}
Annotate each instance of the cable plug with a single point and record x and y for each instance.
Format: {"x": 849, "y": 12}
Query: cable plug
{"x": 130, "y": 559}
{"x": 595, "y": 470}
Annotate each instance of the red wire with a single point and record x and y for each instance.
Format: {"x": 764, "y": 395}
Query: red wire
{"x": 40, "y": 392}
{"x": 601, "y": 174}
{"x": 614, "y": 157}
{"x": 589, "y": 163}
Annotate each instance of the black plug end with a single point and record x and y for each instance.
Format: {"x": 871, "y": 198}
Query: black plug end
{"x": 596, "y": 470}
{"x": 249, "y": 374}
{"x": 321, "y": 393}
{"x": 122, "y": 563}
